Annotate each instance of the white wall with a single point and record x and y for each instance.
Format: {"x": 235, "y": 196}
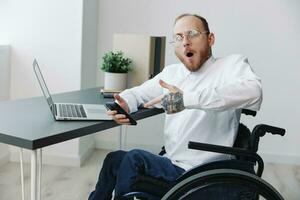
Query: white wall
{"x": 268, "y": 32}
{"x": 51, "y": 31}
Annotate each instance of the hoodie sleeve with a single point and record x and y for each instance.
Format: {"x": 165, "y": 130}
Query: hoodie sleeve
{"x": 139, "y": 95}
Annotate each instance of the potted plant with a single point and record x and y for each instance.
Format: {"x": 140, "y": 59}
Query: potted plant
{"x": 115, "y": 67}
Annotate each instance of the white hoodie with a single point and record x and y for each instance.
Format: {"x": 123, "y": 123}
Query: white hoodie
{"x": 213, "y": 97}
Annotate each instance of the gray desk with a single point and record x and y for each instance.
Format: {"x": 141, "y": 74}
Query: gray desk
{"x": 29, "y": 124}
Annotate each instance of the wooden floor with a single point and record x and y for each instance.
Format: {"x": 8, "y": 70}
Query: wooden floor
{"x": 71, "y": 183}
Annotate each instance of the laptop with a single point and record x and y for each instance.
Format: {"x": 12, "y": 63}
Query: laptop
{"x": 70, "y": 111}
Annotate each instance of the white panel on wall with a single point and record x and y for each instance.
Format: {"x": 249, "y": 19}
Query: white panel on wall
{"x": 89, "y": 61}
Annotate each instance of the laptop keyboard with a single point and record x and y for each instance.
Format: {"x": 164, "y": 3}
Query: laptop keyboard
{"x": 71, "y": 110}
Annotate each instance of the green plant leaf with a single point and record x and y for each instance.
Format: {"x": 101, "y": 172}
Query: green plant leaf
{"x": 115, "y": 62}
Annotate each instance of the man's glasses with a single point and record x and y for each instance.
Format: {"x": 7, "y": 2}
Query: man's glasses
{"x": 191, "y": 34}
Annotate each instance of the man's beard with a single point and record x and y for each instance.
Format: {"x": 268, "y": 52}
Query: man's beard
{"x": 203, "y": 59}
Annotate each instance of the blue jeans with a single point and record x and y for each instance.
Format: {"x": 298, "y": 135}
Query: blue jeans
{"x": 120, "y": 168}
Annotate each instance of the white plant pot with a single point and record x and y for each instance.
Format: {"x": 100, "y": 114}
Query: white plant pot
{"x": 115, "y": 81}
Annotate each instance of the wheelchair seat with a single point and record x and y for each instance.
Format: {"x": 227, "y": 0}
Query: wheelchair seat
{"x": 223, "y": 174}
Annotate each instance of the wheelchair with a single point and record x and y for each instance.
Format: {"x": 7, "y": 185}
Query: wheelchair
{"x": 235, "y": 179}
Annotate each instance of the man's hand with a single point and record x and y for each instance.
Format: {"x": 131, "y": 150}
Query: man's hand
{"x": 172, "y": 102}
{"x": 119, "y": 118}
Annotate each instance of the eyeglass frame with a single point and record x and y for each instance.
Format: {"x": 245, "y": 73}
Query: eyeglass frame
{"x": 189, "y": 35}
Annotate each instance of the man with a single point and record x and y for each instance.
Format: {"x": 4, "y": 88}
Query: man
{"x": 203, "y": 97}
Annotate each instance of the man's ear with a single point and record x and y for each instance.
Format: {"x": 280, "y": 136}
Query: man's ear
{"x": 211, "y": 39}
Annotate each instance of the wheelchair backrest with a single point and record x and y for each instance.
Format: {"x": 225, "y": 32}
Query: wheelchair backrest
{"x": 243, "y": 138}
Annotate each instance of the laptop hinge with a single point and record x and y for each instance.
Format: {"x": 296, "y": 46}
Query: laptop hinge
{"x": 54, "y": 109}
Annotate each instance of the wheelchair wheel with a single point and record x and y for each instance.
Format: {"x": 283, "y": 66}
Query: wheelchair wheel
{"x": 223, "y": 184}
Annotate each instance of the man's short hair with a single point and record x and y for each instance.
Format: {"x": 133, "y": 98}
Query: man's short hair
{"x": 202, "y": 19}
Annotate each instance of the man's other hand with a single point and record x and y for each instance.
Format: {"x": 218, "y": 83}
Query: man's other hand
{"x": 172, "y": 102}
{"x": 119, "y": 118}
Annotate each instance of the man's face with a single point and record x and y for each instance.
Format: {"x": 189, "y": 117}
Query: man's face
{"x": 193, "y": 51}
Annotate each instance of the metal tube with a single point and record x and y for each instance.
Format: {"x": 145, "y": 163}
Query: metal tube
{"x": 33, "y": 174}
{"x": 22, "y": 173}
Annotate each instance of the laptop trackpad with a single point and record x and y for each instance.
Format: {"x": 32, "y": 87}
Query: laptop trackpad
{"x": 94, "y": 108}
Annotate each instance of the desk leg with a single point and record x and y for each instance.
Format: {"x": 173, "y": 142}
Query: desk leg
{"x": 122, "y": 133}
{"x": 40, "y": 175}
{"x": 33, "y": 174}
{"x": 22, "y": 173}
{"x": 120, "y": 137}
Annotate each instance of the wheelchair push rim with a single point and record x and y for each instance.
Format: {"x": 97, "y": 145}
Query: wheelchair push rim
{"x": 222, "y": 176}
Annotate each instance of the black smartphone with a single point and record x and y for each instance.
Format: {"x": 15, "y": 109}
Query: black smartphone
{"x": 120, "y": 110}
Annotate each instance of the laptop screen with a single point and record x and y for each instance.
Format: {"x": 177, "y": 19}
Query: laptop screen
{"x": 43, "y": 85}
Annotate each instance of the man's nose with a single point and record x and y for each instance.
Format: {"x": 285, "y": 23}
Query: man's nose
{"x": 186, "y": 41}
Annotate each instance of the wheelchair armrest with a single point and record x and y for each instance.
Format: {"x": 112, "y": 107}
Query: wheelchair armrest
{"x": 220, "y": 149}
{"x": 229, "y": 150}
{"x": 249, "y": 112}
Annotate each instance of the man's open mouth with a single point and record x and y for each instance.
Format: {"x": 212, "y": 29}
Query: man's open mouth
{"x": 189, "y": 54}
